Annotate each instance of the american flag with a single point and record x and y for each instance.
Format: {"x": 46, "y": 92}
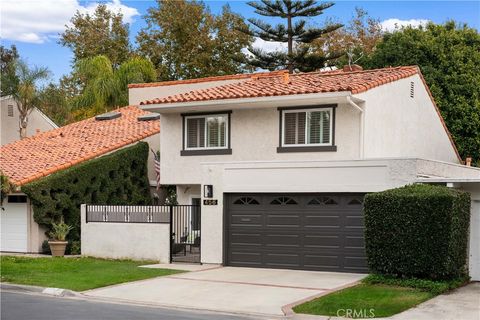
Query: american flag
{"x": 156, "y": 164}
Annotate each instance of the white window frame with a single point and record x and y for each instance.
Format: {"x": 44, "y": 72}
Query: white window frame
{"x": 307, "y": 110}
{"x": 185, "y": 134}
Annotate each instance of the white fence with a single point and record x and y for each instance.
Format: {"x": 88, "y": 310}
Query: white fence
{"x": 126, "y": 232}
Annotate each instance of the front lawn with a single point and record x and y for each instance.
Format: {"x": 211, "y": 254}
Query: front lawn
{"x": 77, "y": 274}
{"x": 365, "y": 301}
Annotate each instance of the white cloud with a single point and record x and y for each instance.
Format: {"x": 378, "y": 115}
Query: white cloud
{"x": 37, "y": 21}
{"x": 393, "y": 24}
{"x": 269, "y": 46}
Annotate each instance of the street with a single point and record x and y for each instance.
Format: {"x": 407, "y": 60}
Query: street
{"x": 20, "y": 306}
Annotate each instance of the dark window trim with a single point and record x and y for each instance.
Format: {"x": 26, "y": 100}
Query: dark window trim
{"x": 205, "y": 152}
{"x": 306, "y": 148}
{"x": 321, "y": 106}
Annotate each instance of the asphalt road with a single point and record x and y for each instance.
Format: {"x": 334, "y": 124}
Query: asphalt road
{"x": 20, "y": 306}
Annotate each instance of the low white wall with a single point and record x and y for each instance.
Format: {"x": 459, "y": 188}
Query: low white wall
{"x": 137, "y": 241}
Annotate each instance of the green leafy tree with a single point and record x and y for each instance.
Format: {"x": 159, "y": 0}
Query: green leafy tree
{"x": 8, "y": 77}
{"x": 184, "y": 40}
{"x": 105, "y": 87}
{"x": 449, "y": 58}
{"x": 26, "y": 92}
{"x": 100, "y": 33}
{"x": 55, "y": 104}
{"x": 359, "y": 36}
{"x": 295, "y": 35}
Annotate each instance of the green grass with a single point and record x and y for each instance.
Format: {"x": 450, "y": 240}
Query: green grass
{"x": 367, "y": 300}
{"x": 77, "y": 274}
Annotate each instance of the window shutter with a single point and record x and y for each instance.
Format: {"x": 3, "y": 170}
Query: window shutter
{"x": 301, "y": 119}
{"x": 313, "y": 127}
{"x": 195, "y": 133}
{"x": 325, "y": 127}
{"x": 290, "y": 127}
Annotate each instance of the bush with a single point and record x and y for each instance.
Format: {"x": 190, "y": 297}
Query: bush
{"x": 119, "y": 178}
{"x": 418, "y": 231}
{"x": 435, "y": 287}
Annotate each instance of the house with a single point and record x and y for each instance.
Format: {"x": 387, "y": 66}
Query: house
{"x": 40, "y": 155}
{"x": 281, "y": 162}
{"x": 9, "y": 119}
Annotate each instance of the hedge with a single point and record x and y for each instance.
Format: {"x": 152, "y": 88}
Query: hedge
{"x": 119, "y": 178}
{"x": 417, "y": 231}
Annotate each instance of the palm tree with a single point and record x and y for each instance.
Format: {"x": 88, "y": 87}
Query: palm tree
{"x": 105, "y": 87}
{"x": 26, "y": 93}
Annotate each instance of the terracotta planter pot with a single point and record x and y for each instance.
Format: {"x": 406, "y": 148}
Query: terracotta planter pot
{"x": 58, "y": 248}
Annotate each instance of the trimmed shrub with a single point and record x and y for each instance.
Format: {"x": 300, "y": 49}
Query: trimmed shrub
{"x": 119, "y": 178}
{"x": 417, "y": 231}
{"x": 435, "y": 287}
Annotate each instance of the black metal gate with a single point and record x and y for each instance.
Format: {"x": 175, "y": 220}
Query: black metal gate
{"x": 185, "y": 225}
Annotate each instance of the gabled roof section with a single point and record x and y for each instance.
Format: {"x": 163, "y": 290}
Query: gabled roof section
{"x": 301, "y": 83}
{"x": 206, "y": 79}
{"x": 29, "y": 159}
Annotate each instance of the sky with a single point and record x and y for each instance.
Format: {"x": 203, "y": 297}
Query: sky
{"x": 34, "y": 25}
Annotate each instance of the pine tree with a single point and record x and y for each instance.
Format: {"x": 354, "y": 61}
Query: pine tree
{"x": 296, "y": 35}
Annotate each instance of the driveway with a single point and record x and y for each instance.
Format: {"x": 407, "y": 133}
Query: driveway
{"x": 229, "y": 289}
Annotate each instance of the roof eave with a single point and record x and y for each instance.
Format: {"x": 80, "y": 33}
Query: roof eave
{"x": 254, "y": 102}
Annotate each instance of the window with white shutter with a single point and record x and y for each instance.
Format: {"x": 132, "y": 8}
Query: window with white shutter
{"x": 309, "y": 127}
{"x": 206, "y": 132}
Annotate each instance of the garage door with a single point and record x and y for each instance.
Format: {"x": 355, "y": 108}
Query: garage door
{"x": 295, "y": 231}
{"x": 14, "y": 225}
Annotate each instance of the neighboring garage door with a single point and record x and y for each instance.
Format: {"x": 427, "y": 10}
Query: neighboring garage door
{"x": 296, "y": 231}
{"x": 14, "y": 224}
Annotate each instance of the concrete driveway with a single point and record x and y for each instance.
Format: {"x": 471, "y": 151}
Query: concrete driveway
{"x": 229, "y": 289}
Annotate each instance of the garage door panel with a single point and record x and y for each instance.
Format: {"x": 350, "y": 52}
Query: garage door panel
{"x": 322, "y": 262}
{"x": 298, "y": 231}
{"x": 14, "y": 227}
{"x": 287, "y": 241}
{"x": 283, "y": 220}
{"x": 245, "y": 239}
{"x": 246, "y": 220}
{"x": 330, "y": 221}
{"x": 282, "y": 259}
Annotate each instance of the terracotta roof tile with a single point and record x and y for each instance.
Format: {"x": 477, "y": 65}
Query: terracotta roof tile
{"x": 301, "y": 83}
{"x": 51, "y": 151}
{"x": 206, "y": 79}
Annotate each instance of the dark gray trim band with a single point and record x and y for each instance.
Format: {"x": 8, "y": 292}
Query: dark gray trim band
{"x": 308, "y": 107}
{"x": 307, "y": 149}
{"x": 205, "y": 152}
{"x": 206, "y": 113}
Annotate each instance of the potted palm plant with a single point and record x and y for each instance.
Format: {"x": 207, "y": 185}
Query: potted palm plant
{"x": 58, "y": 236}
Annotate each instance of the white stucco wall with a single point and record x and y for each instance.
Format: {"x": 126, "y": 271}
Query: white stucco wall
{"x": 254, "y": 136}
{"x": 9, "y": 130}
{"x": 137, "y": 95}
{"x": 137, "y": 241}
{"x": 185, "y": 193}
{"x": 397, "y": 125}
{"x": 305, "y": 176}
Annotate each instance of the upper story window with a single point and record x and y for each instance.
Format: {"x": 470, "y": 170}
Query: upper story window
{"x": 307, "y": 129}
{"x": 206, "y": 134}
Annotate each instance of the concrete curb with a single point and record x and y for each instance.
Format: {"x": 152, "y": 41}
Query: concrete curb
{"x": 56, "y": 292}
{"x": 290, "y": 314}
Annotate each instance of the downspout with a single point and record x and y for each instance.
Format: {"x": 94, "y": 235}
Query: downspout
{"x": 362, "y": 124}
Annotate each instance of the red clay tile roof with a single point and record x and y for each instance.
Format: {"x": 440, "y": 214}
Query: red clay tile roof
{"x": 45, "y": 153}
{"x": 301, "y": 83}
{"x": 206, "y": 79}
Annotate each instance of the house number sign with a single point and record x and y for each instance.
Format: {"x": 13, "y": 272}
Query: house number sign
{"x": 210, "y": 202}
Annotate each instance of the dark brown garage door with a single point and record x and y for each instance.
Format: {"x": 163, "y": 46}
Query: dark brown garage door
{"x": 295, "y": 231}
